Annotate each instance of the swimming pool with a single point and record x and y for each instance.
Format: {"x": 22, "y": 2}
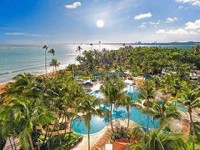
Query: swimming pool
{"x": 97, "y": 123}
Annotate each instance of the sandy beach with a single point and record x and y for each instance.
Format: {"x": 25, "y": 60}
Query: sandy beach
{"x": 2, "y": 85}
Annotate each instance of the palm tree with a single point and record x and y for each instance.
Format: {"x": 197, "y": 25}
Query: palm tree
{"x": 65, "y": 97}
{"x": 191, "y": 99}
{"x": 79, "y": 48}
{"x": 22, "y": 82}
{"x": 52, "y": 51}
{"x": 23, "y": 115}
{"x": 196, "y": 49}
{"x": 113, "y": 91}
{"x": 45, "y": 47}
{"x": 4, "y": 131}
{"x": 165, "y": 111}
{"x": 99, "y": 45}
{"x": 89, "y": 108}
{"x": 126, "y": 102}
{"x": 72, "y": 68}
{"x": 157, "y": 140}
{"x": 91, "y": 46}
{"x": 54, "y": 63}
{"x": 147, "y": 93}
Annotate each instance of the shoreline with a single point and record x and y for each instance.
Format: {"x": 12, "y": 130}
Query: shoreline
{"x": 3, "y": 84}
{"x": 61, "y": 67}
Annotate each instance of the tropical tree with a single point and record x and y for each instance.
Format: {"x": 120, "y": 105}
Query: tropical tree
{"x": 72, "y": 68}
{"x": 147, "y": 93}
{"x": 66, "y": 98}
{"x": 165, "y": 111}
{"x": 91, "y": 46}
{"x": 79, "y": 48}
{"x": 4, "y": 132}
{"x": 191, "y": 99}
{"x": 23, "y": 115}
{"x": 54, "y": 63}
{"x": 112, "y": 89}
{"x": 52, "y": 51}
{"x": 45, "y": 47}
{"x": 196, "y": 49}
{"x": 89, "y": 60}
{"x": 89, "y": 107}
{"x": 157, "y": 140}
{"x": 126, "y": 102}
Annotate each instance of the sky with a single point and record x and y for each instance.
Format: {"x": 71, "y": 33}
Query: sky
{"x": 78, "y": 21}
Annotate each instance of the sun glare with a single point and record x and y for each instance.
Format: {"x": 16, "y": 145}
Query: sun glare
{"x": 100, "y": 23}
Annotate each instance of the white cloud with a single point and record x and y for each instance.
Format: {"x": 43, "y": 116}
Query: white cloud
{"x": 169, "y": 20}
{"x": 73, "y": 6}
{"x": 15, "y": 33}
{"x": 193, "y": 2}
{"x": 179, "y": 31}
{"x": 190, "y": 28}
{"x": 145, "y": 24}
{"x": 155, "y": 24}
{"x": 193, "y": 25}
{"x": 123, "y": 4}
{"x": 142, "y": 16}
{"x": 161, "y": 31}
{"x": 23, "y": 34}
{"x": 4, "y": 28}
{"x": 180, "y": 7}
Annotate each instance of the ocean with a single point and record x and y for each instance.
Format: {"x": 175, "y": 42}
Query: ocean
{"x": 17, "y": 59}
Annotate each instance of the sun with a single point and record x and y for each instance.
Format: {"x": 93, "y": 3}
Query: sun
{"x": 100, "y": 23}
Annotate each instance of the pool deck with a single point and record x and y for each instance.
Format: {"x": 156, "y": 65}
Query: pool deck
{"x": 94, "y": 138}
{"x": 177, "y": 126}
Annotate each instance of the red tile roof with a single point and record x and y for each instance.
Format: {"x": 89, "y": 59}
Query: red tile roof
{"x": 120, "y": 146}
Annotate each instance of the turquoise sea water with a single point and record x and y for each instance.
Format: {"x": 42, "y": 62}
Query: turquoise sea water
{"x": 16, "y": 59}
{"x": 30, "y": 59}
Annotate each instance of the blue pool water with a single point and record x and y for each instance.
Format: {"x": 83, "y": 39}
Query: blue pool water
{"x": 97, "y": 123}
{"x": 181, "y": 108}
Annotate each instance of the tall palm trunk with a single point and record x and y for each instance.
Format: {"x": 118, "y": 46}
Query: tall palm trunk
{"x": 46, "y": 134}
{"x": 191, "y": 126}
{"x": 14, "y": 143}
{"x": 69, "y": 137}
{"x": 10, "y": 143}
{"x": 148, "y": 115}
{"x": 38, "y": 145}
{"x": 51, "y": 134}
{"x": 53, "y": 71}
{"x": 128, "y": 113}
{"x": 148, "y": 120}
{"x": 45, "y": 59}
{"x": 89, "y": 136}
{"x": 111, "y": 121}
{"x": 66, "y": 125}
{"x": 63, "y": 117}
{"x": 31, "y": 143}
